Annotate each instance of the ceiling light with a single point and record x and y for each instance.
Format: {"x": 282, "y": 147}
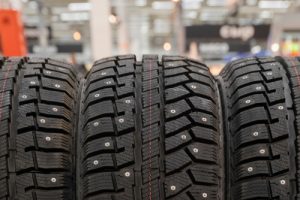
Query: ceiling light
{"x": 140, "y": 2}
{"x": 274, "y": 4}
{"x": 251, "y": 2}
{"x": 79, "y": 6}
{"x": 113, "y": 19}
{"x": 216, "y": 2}
{"x": 266, "y": 15}
{"x": 33, "y": 5}
{"x": 75, "y": 16}
{"x": 191, "y": 4}
{"x": 162, "y": 5}
{"x": 191, "y": 14}
{"x": 77, "y": 36}
{"x": 275, "y": 47}
{"x": 256, "y": 49}
{"x": 167, "y": 46}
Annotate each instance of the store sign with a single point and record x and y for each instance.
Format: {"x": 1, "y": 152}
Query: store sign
{"x": 237, "y": 32}
{"x": 227, "y": 32}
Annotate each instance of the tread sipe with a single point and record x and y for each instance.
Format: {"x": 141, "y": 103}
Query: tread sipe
{"x": 260, "y": 103}
{"x": 150, "y": 130}
{"x": 37, "y": 120}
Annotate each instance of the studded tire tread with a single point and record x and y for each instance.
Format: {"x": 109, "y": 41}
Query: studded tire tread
{"x": 150, "y": 129}
{"x": 37, "y": 129}
{"x": 260, "y": 133}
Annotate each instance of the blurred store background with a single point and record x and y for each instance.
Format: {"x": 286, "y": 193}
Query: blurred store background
{"x": 214, "y": 31}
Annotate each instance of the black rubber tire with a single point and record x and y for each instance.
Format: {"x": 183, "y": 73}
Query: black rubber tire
{"x": 260, "y": 130}
{"x": 37, "y": 128}
{"x": 150, "y": 130}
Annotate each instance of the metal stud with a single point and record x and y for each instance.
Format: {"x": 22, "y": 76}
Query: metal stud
{"x": 280, "y": 107}
{"x": 183, "y": 137}
{"x": 32, "y": 82}
{"x": 96, "y": 124}
{"x": 24, "y": 96}
{"x": 269, "y": 73}
{"x": 282, "y": 182}
{"x": 128, "y": 101}
{"x": 121, "y": 120}
{"x": 108, "y": 82}
{"x": 54, "y": 109}
{"x": 250, "y": 169}
{"x": 195, "y": 150}
{"x": 193, "y": 87}
{"x": 107, "y": 144}
{"x": 258, "y": 88}
{"x": 173, "y": 187}
{"x": 262, "y": 151}
{"x": 97, "y": 95}
{"x": 204, "y": 119}
{"x": 57, "y": 85}
{"x": 96, "y": 162}
{"x": 255, "y": 133}
{"x": 204, "y": 195}
{"x": 43, "y": 121}
{"x": 53, "y": 180}
{"x": 171, "y": 65}
{"x": 248, "y": 101}
{"x": 48, "y": 72}
{"x": 173, "y": 111}
{"x": 127, "y": 174}
{"x": 103, "y": 73}
{"x": 244, "y": 77}
{"x": 48, "y": 139}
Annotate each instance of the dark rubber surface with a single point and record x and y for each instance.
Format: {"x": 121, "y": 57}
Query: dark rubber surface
{"x": 150, "y": 130}
{"x": 260, "y": 130}
{"x": 37, "y": 103}
{"x": 292, "y": 66}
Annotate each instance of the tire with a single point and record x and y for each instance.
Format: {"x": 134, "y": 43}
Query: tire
{"x": 150, "y": 130}
{"x": 260, "y": 130}
{"x": 37, "y": 128}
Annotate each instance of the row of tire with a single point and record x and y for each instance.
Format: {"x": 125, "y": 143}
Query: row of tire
{"x": 153, "y": 129}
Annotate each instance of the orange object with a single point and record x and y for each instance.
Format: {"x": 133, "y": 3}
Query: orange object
{"x": 12, "y": 39}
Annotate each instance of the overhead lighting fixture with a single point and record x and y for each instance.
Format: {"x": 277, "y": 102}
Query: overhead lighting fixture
{"x": 140, "y": 2}
{"x": 251, "y": 2}
{"x": 191, "y": 14}
{"x": 77, "y": 36}
{"x": 213, "y": 14}
{"x": 113, "y": 19}
{"x": 163, "y": 5}
{"x": 191, "y": 4}
{"x": 216, "y": 2}
{"x": 275, "y": 47}
{"x": 167, "y": 46}
{"x": 79, "y": 6}
{"x": 272, "y": 4}
{"x": 256, "y": 49}
{"x": 266, "y": 14}
{"x": 75, "y": 16}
